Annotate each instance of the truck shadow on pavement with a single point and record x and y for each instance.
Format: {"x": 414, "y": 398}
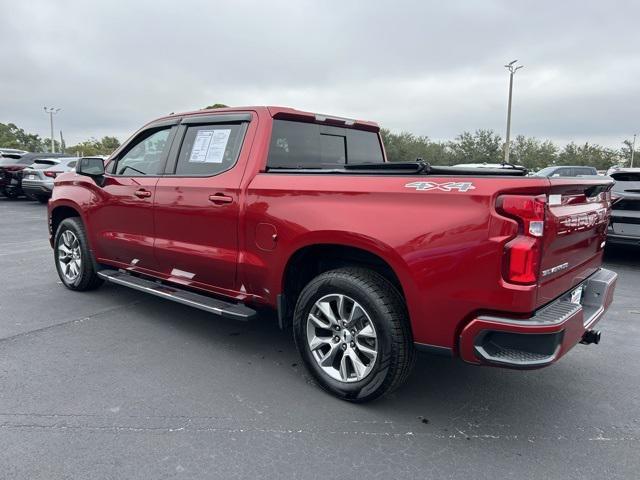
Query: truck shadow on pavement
{"x": 443, "y": 395}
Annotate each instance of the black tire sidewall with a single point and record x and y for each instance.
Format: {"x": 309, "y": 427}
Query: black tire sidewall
{"x": 374, "y": 307}
{"x": 73, "y": 224}
{"x": 11, "y": 194}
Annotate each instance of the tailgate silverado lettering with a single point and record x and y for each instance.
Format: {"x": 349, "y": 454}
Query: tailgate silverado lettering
{"x": 581, "y": 221}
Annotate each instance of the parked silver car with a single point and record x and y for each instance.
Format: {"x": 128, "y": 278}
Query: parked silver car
{"x": 37, "y": 179}
{"x": 624, "y": 226}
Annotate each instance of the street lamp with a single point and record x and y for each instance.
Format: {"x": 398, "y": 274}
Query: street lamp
{"x": 51, "y": 111}
{"x": 633, "y": 147}
{"x": 512, "y": 70}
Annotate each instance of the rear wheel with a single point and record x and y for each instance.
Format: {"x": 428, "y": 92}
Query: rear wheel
{"x": 352, "y": 331}
{"x": 11, "y": 193}
{"x": 73, "y": 258}
{"x": 42, "y": 198}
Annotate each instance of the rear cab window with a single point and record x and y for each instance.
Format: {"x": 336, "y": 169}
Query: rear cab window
{"x": 310, "y": 145}
{"x": 42, "y": 164}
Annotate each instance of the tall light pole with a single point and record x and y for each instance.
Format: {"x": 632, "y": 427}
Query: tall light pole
{"x": 633, "y": 147}
{"x": 51, "y": 111}
{"x": 512, "y": 70}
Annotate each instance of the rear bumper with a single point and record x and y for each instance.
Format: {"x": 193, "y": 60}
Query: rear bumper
{"x": 617, "y": 239}
{"x": 545, "y": 336}
{"x": 37, "y": 188}
{"x": 10, "y": 181}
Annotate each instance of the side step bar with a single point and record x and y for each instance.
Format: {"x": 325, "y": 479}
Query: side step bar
{"x": 235, "y": 311}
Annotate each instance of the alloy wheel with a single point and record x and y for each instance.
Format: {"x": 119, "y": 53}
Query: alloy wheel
{"x": 342, "y": 338}
{"x": 69, "y": 256}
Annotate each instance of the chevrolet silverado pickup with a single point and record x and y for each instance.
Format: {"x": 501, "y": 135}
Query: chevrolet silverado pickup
{"x": 366, "y": 261}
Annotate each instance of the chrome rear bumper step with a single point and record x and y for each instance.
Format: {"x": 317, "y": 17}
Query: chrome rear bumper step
{"x": 235, "y": 311}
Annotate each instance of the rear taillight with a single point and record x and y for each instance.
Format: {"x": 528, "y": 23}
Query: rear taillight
{"x": 522, "y": 254}
{"x": 51, "y": 174}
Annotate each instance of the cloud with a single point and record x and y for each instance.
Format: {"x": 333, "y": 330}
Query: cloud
{"x": 433, "y": 68}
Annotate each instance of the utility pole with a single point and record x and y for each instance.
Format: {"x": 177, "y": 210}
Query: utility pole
{"x": 51, "y": 111}
{"x": 512, "y": 70}
{"x": 633, "y": 147}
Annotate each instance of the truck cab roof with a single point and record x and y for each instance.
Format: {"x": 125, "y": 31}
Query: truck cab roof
{"x": 284, "y": 113}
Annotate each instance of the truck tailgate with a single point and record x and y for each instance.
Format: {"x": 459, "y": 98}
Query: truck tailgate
{"x": 575, "y": 233}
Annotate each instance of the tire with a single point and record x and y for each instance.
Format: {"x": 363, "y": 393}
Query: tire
{"x": 81, "y": 275}
{"x": 380, "y": 308}
{"x": 11, "y": 193}
{"x": 42, "y": 199}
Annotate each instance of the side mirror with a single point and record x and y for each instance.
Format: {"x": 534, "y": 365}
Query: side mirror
{"x": 90, "y": 167}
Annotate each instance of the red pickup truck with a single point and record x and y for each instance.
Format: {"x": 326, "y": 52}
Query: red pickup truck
{"x": 368, "y": 261}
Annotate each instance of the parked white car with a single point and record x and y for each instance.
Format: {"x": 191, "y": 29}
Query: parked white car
{"x": 37, "y": 179}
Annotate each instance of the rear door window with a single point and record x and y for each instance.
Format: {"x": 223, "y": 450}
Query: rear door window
{"x": 208, "y": 150}
{"x": 310, "y": 145}
{"x": 42, "y": 164}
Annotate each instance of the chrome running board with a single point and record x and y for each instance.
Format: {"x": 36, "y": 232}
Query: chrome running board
{"x": 235, "y": 311}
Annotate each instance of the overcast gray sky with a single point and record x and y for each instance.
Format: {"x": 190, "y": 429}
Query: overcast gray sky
{"x": 432, "y": 68}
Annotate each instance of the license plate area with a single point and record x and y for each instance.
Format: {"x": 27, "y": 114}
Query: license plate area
{"x": 626, "y": 229}
{"x": 576, "y": 295}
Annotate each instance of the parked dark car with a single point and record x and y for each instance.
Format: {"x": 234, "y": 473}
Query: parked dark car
{"x": 37, "y": 178}
{"x": 566, "y": 171}
{"x": 11, "y": 167}
{"x": 624, "y": 226}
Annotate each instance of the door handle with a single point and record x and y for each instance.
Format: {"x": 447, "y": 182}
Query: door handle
{"x": 220, "y": 199}
{"x": 142, "y": 193}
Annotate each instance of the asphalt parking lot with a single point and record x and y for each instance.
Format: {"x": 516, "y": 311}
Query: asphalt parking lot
{"x": 117, "y": 384}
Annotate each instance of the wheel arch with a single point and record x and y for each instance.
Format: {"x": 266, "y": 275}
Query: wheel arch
{"x": 62, "y": 212}
{"x": 313, "y": 258}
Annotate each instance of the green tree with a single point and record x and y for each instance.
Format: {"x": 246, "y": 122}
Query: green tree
{"x": 90, "y": 147}
{"x": 109, "y": 144}
{"x": 532, "y": 153}
{"x": 625, "y": 154}
{"x": 483, "y": 146}
{"x": 11, "y": 136}
{"x": 216, "y": 105}
{"x": 406, "y": 147}
{"x": 596, "y": 156}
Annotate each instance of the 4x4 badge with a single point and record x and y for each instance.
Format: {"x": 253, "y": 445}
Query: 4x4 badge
{"x": 444, "y": 187}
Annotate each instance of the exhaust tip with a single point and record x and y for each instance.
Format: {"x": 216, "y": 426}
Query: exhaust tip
{"x": 591, "y": 336}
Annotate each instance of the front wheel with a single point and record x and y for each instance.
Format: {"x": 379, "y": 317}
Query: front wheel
{"x": 351, "y": 329}
{"x": 73, "y": 258}
{"x": 11, "y": 193}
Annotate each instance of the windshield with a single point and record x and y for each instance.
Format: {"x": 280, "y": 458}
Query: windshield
{"x": 545, "y": 172}
{"x": 42, "y": 164}
{"x": 626, "y": 176}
